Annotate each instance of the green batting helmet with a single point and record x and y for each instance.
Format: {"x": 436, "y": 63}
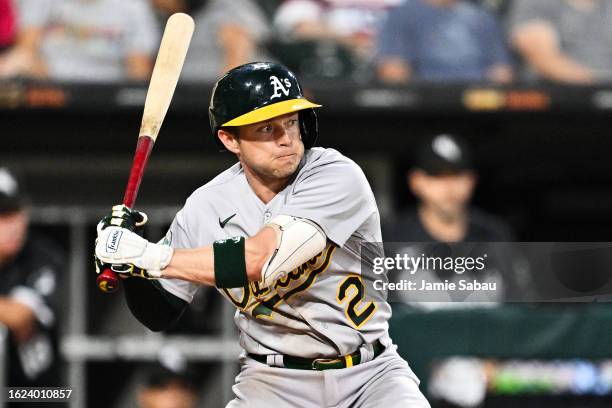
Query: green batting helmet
{"x": 259, "y": 91}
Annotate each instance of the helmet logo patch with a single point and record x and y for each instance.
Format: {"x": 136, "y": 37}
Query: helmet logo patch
{"x": 278, "y": 86}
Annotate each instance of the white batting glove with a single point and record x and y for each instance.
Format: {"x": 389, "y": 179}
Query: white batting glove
{"x": 121, "y": 246}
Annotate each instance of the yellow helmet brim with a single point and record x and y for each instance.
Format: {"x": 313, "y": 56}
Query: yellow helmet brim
{"x": 271, "y": 111}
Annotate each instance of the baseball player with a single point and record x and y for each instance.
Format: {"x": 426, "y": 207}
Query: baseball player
{"x": 279, "y": 235}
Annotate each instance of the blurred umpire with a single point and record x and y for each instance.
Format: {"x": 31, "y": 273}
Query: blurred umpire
{"x": 28, "y": 291}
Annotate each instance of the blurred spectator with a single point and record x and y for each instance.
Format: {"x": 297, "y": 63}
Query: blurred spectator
{"x": 352, "y": 23}
{"x": 84, "y": 41}
{"x": 228, "y": 33}
{"x": 564, "y": 40}
{"x": 443, "y": 40}
{"x": 29, "y": 268}
{"x": 169, "y": 384}
{"x": 443, "y": 180}
{"x": 7, "y": 24}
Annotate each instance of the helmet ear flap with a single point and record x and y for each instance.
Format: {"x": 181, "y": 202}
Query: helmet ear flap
{"x": 309, "y": 126}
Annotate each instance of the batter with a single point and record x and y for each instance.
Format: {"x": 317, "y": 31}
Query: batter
{"x": 279, "y": 234}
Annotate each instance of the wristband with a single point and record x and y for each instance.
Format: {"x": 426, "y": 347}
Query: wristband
{"x": 230, "y": 265}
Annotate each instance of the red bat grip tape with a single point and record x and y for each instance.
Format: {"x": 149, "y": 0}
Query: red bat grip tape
{"x": 108, "y": 281}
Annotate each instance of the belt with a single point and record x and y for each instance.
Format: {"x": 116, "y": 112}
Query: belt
{"x": 300, "y": 363}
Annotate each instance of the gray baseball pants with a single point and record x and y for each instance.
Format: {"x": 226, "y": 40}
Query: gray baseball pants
{"x": 386, "y": 381}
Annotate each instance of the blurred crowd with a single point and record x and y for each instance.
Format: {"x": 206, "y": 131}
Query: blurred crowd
{"x": 393, "y": 41}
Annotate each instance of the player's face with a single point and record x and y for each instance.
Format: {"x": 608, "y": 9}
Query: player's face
{"x": 448, "y": 193}
{"x": 271, "y": 149}
{"x": 13, "y": 228}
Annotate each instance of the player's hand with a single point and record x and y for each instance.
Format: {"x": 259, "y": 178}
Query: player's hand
{"x": 123, "y": 270}
{"x": 120, "y": 246}
{"x": 124, "y": 217}
{"x": 128, "y": 271}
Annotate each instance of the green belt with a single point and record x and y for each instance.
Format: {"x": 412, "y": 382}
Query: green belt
{"x": 299, "y": 363}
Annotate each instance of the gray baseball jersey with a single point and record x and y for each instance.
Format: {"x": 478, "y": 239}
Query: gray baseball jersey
{"x": 321, "y": 308}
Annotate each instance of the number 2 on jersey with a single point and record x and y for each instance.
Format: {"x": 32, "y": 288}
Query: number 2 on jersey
{"x": 356, "y": 311}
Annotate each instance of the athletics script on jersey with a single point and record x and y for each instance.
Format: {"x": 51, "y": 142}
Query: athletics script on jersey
{"x": 493, "y": 271}
{"x": 261, "y": 302}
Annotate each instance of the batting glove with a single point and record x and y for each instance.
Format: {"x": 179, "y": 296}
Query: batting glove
{"x": 135, "y": 221}
{"x": 119, "y": 246}
{"x": 124, "y": 217}
{"x": 124, "y": 271}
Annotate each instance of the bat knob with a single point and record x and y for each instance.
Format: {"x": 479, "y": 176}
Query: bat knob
{"x": 108, "y": 281}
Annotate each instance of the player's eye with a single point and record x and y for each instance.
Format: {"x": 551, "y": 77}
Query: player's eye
{"x": 265, "y": 129}
{"x": 292, "y": 122}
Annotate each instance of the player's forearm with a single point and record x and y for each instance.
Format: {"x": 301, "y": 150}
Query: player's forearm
{"x": 198, "y": 265}
{"x": 194, "y": 265}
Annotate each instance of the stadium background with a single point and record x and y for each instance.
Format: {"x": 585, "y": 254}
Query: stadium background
{"x": 542, "y": 149}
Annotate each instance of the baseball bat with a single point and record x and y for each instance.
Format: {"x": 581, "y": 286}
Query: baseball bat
{"x": 166, "y": 72}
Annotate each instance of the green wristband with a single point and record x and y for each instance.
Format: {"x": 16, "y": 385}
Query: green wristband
{"x": 230, "y": 266}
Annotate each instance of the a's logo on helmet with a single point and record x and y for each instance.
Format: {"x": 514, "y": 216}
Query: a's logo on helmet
{"x": 278, "y": 86}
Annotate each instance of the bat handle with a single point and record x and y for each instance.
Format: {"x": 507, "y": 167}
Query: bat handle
{"x": 107, "y": 281}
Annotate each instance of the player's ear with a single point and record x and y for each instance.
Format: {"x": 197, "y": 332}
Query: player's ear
{"x": 229, "y": 140}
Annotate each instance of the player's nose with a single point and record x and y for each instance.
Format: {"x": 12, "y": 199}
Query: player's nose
{"x": 283, "y": 138}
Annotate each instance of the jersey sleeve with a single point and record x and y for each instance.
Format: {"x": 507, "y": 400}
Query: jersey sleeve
{"x": 334, "y": 194}
{"x": 177, "y": 237}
